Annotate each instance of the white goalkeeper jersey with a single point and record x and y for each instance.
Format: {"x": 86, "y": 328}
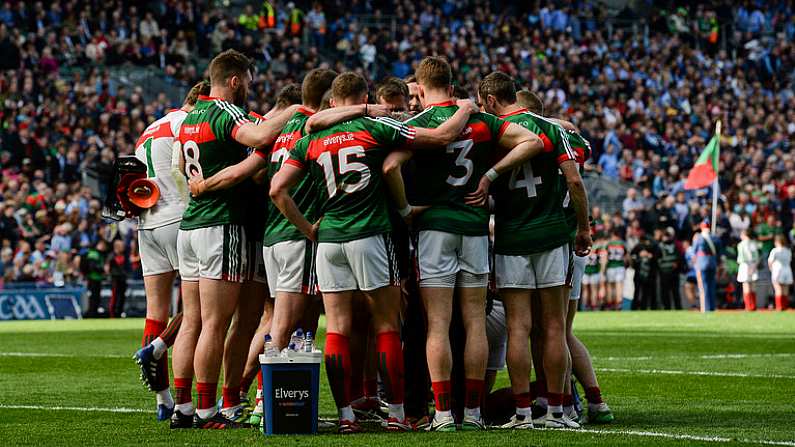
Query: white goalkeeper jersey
{"x": 155, "y": 148}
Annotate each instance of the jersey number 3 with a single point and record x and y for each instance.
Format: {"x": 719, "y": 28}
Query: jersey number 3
{"x": 461, "y": 160}
{"x": 345, "y": 166}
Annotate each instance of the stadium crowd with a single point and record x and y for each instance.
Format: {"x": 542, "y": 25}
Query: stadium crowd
{"x": 647, "y": 100}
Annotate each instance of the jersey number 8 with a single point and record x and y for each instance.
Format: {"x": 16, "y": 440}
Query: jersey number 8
{"x": 190, "y": 150}
{"x": 345, "y": 166}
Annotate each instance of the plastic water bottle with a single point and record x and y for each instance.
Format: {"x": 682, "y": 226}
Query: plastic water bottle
{"x": 270, "y": 350}
{"x": 297, "y": 340}
{"x": 309, "y": 342}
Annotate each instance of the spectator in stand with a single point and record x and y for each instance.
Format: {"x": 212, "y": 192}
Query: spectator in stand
{"x": 779, "y": 262}
{"x": 705, "y": 262}
{"x": 116, "y": 267}
{"x": 632, "y": 203}
{"x": 670, "y": 265}
{"x": 748, "y": 262}
{"x": 93, "y": 268}
{"x": 645, "y": 257}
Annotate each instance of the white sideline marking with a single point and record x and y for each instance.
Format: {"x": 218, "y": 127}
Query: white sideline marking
{"x": 682, "y": 437}
{"x": 704, "y": 357}
{"x": 62, "y": 355}
{"x": 648, "y": 434}
{"x": 97, "y": 409}
{"x": 694, "y": 373}
{"x": 681, "y": 334}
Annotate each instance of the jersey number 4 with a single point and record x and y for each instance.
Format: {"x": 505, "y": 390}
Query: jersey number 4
{"x": 346, "y": 165}
{"x": 527, "y": 181}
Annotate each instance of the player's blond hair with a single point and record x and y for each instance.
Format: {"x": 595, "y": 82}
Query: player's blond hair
{"x": 530, "y": 101}
{"x": 434, "y": 72}
{"x": 315, "y": 84}
{"x": 348, "y": 85}
{"x": 202, "y": 88}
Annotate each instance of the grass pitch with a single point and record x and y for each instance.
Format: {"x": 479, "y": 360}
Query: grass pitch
{"x": 671, "y": 378}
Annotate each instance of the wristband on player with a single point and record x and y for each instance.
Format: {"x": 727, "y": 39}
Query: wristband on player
{"x": 491, "y": 174}
{"x": 365, "y": 110}
{"x": 405, "y": 211}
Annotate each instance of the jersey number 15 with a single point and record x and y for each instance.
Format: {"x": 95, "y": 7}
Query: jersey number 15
{"x": 346, "y": 165}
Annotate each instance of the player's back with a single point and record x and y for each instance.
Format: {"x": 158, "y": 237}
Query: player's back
{"x": 443, "y": 177}
{"x": 278, "y": 228}
{"x": 155, "y": 148}
{"x": 530, "y": 202}
{"x": 345, "y": 162}
{"x": 208, "y": 146}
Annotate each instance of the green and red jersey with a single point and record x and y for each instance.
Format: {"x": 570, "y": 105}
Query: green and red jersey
{"x": 278, "y": 228}
{"x": 582, "y": 152}
{"x": 592, "y": 265}
{"x": 208, "y": 146}
{"x": 530, "y": 203}
{"x": 616, "y": 251}
{"x": 257, "y": 215}
{"x": 442, "y": 178}
{"x": 345, "y": 163}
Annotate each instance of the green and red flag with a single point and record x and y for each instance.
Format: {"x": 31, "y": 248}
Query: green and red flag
{"x": 705, "y": 171}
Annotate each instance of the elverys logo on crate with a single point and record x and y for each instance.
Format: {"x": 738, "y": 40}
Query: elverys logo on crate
{"x": 292, "y": 401}
{"x": 281, "y": 393}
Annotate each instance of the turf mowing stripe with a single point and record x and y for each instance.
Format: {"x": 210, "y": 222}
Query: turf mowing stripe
{"x": 97, "y": 409}
{"x": 704, "y": 357}
{"x": 648, "y": 434}
{"x": 694, "y": 373}
{"x": 58, "y": 354}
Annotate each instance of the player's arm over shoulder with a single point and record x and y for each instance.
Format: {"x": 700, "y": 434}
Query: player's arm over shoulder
{"x": 265, "y": 133}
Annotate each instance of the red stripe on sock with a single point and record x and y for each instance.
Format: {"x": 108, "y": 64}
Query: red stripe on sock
{"x": 555, "y": 399}
{"x": 152, "y": 329}
{"x": 441, "y": 394}
{"x": 523, "y": 400}
{"x": 474, "y": 393}
{"x": 231, "y": 396}
{"x": 390, "y": 365}
{"x": 594, "y": 395}
{"x": 338, "y": 365}
{"x": 182, "y": 388}
{"x": 205, "y": 392}
{"x": 568, "y": 400}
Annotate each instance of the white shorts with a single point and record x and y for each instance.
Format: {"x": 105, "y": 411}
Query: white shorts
{"x": 362, "y": 264}
{"x": 747, "y": 273}
{"x": 497, "y": 335}
{"x": 256, "y": 264}
{"x": 537, "y": 271}
{"x": 577, "y": 277}
{"x": 217, "y": 252}
{"x": 158, "y": 249}
{"x": 615, "y": 274}
{"x": 441, "y": 254}
{"x": 781, "y": 274}
{"x": 591, "y": 278}
{"x": 291, "y": 267}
